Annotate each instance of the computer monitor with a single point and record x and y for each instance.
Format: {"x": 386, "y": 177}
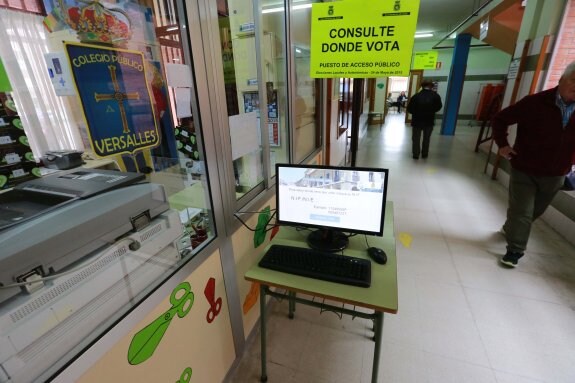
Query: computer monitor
{"x": 335, "y": 201}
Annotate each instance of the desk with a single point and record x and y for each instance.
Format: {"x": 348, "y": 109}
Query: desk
{"x": 381, "y": 296}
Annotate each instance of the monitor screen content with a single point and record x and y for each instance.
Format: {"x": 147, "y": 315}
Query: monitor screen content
{"x": 333, "y": 200}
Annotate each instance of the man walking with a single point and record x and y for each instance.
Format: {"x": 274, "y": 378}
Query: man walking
{"x": 540, "y": 157}
{"x": 423, "y": 107}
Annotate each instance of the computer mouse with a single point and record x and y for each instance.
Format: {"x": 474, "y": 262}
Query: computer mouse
{"x": 377, "y": 254}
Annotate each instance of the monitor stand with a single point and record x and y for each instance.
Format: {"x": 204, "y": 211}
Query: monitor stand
{"x": 327, "y": 240}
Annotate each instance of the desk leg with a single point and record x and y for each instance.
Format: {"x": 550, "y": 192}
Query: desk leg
{"x": 291, "y": 304}
{"x": 378, "y": 324}
{"x": 264, "y": 377}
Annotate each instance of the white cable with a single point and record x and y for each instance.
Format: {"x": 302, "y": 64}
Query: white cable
{"x": 73, "y": 270}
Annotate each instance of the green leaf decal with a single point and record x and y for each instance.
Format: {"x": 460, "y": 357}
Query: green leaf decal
{"x": 145, "y": 342}
{"x": 37, "y": 172}
{"x": 3, "y": 181}
{"x": 23, "y": 140}
{"x": 260, "y": 232}
{"x": 29, "y": 156}
{"x": 17, "y": 123}
{"x": 10, "y": 105}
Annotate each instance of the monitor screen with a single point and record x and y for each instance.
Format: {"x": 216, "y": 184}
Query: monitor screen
{"x": 334, "y": 200}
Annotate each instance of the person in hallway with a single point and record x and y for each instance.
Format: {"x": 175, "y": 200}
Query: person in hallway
{"x": 540, "y": 157}
{"x": 423, "y": 106}
{"x": 401, "y": 99}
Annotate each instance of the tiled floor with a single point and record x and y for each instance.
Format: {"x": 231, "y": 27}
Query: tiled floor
{"x": 462, "y": 317}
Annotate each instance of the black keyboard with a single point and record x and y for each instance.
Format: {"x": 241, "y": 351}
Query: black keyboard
{"x": 318, "y": 264}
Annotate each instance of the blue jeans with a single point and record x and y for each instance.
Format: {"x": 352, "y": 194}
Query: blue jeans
{"x": 529, "y": 196}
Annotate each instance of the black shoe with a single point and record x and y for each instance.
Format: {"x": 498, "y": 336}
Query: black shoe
{"x": 510, "y": 259}
{"x": 424, "y": 156}
{"x": 415, "y": 157}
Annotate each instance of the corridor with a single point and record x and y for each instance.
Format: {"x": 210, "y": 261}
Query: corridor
{"x": 462, "y": 317}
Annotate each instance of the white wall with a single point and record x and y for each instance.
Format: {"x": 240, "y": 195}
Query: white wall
{"x": 485, "y": 65}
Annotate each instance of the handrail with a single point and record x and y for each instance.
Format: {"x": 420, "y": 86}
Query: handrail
{"x": 475, "y": 13}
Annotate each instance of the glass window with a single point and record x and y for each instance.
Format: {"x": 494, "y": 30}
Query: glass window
{"x": 241, "y": 59}
{"x": 274, "y": 48}
{"x": 306, "y": 124}
{"x": 119, "y": 94}
{"x": 240, "y": 63}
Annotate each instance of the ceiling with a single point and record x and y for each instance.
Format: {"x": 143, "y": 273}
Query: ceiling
{"x": 443, "y": 16}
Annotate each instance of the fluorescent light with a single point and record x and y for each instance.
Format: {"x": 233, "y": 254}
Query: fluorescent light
{"x": 418, "y": 35}
{"x": 273, "y": 10}
{"x": 281, "y": 9}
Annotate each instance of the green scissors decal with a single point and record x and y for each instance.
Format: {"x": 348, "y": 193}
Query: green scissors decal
{"x": 186, "y": 376}
{"x": 145, "y": 342}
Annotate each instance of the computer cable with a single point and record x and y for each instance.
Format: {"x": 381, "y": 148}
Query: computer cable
{"x": 251, "y": 229}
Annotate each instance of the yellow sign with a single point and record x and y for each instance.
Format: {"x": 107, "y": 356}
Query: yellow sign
{"x": 362, "y": 38}
{"x": 425, "y": 60}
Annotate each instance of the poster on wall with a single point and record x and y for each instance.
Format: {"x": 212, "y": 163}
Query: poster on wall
{"x": 60, "y": 74}
{"x": 362, "y": 38}
{"x": 117, "y": 105}
{"x": 513, "y": 69}
{"x": 252, "y": 103}
{"x": 273, "y": 117}
{"x": 425, "y": 60}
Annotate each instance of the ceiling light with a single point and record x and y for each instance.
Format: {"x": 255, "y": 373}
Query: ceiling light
{"x": 281, "y": 9}
{"x": 273, "y": 10}
{"x": 426, "y": 34}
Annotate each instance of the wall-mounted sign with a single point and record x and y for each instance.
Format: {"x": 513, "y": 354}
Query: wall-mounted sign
{"x": 115, "y": 97}
{"x": 60, "y": 74}
{"x": 425, "y": 60}
{"x": 362, "y": 38}
{"x": 513, "y": 69}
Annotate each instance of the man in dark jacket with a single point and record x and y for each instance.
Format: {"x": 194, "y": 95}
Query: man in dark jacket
{"x": 541, "y": 156}
{"x": 423, "y": 107}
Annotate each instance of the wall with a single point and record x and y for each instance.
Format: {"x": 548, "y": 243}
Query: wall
{"x": 485, "y": 65}
{"x": 380, "y": 94}
{"x": 185, "y": 339}
{"x": 245, "y": 256}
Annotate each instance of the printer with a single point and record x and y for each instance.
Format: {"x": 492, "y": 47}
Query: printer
{"x": 77, "y": 249}
{"x": 49, "y": 223}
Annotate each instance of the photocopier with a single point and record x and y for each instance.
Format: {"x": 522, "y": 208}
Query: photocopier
{"x": 77, "y": 249}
